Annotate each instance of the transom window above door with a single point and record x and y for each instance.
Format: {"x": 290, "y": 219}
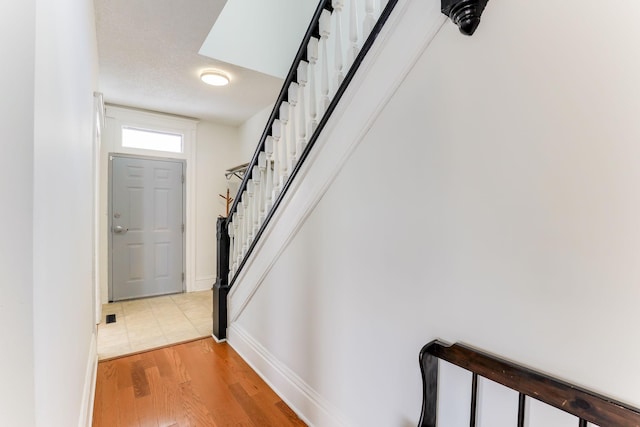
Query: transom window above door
{"x": 152, "y": 140}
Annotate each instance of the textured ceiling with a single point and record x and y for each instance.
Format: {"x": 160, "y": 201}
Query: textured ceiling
{"x": 148, "y": 54}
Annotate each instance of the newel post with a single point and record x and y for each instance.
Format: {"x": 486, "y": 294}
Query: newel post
{"x": 221, "y": 287}
{"x": 464, "y": 13}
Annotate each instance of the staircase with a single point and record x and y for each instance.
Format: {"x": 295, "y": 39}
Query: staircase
{"x": 463, "y": 188}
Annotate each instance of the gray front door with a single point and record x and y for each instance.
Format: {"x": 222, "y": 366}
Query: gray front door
{"x": 146, "y": 227}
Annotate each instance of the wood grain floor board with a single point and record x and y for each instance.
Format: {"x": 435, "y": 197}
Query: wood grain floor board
{"x": 206, "y": 378}
{"x": 195, "y": 384}
{"x": 126, "y": 408}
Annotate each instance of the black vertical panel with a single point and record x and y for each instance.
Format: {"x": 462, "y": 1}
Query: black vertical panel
{"x": 429, "y": 369}
{"x": 582, "y": 423}
{"x": 221, "y": 287}
{"x": 474, "y": 400}
{"x": 521, "y": 408}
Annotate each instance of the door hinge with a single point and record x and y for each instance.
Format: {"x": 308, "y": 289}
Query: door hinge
{"x": 182, "y": 277}
{"x": 183, "y": 179}
{"x": 183, "y": 228}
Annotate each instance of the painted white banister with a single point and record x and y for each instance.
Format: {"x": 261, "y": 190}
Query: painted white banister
{"x": 248, "y": 212}
{"x": 303, "y": 72}
{"x": 331, "y": 52}
{"x": 284, "y": 142}
{"x": 293, "y": 136}
{"x": 354, "y": 47}
{"x": 369, "y": 18}
{"x": 269, "y": 166}
{"x": 325, "y": 31}
{"x": 339, "y": 41}
{"x": 257, "y": 198}
{"x": 277, "y": 148}
{"x": 312, "y": 55}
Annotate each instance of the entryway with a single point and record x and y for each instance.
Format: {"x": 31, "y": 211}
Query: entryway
{"x": 143, "y": 324}
{"x": 146, "y": 223}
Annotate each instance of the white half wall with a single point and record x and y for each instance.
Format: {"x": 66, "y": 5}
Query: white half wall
{"x": 66, "y": 69}
{"x": 493, "y": 201}
{"x": 17, "y": 42}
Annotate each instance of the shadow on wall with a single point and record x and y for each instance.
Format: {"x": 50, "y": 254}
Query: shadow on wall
{"x": 408, "y": 423}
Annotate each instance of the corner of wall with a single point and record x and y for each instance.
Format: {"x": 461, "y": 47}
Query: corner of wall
{"x": 89, "y": 389}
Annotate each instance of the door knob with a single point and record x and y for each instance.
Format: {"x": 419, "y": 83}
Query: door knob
{"x": 118, "y": 229}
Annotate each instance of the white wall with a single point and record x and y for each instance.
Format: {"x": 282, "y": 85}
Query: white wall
{"x": 64, "y": 328}
{"x": 251, "y": 131}
{"x": 494, "y": 201}
{"x": 218, "y": 150}
{"x": 17, "y": 41}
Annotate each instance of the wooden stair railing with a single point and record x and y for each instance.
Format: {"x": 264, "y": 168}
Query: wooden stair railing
{"x": 586, "y": 405}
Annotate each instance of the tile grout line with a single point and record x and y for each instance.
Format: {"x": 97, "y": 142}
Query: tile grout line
{"x": 199, "y": 300}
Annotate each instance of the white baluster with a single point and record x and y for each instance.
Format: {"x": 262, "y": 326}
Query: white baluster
{"x": 302, "y": 74}
{"x": 237, "y": 239}
{"x": 382, "y": 4}
{"x": 262, "y": 166}
{"x": 230, "y": 231}
{"x": 249, "y": 209}
{"x": 257, "y": 196}
{"x": 354, "y": 49}
{"x": 369, "y": 19}
{"x": 339, "y": 57}
{"x": 283, "y": 149}
{"x": 245, "y": 225}
{"x": 325, "y": 30}
{"x": 242, "y": 241}
{"x": 312, "y": 55}
{"x": 276, "y": 132}
{"x": 268, "y": 180}
{"x": 292, "y": 136}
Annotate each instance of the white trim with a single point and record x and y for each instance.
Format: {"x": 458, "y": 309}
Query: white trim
{"x": 408, "y": 32}
{"x": 203, "y": 283}
{"x": 121, "y": 116}
{"x": 89, "y": 390}
{"x": 283, "y": 381}
{"x": 98, "y": 103}
{"x": 219, "y": 341}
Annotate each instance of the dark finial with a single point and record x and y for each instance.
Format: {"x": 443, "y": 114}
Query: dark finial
{"x": 464, "y": 13}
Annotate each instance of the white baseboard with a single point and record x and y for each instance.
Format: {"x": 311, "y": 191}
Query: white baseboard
{"x": 203, "y": 284}
{"x": 89, "y": 391}
{"x": 217, "y": 340}
{"x": 284, "y": 382}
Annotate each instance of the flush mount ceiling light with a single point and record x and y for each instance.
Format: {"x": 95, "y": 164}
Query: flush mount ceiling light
{"x": 214, "y": 78}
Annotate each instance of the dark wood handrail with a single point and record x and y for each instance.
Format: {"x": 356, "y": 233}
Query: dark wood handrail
{"x": 580, "y": 402}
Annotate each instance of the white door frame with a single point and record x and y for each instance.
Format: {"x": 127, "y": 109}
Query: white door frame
{"x": 118, "y": 117}
{"x": 98, "y": 126}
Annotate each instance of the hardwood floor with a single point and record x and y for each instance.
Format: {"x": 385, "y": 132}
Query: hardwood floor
{"x": 196, "y": 384}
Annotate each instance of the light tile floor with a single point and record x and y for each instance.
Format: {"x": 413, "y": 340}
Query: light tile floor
{"x": 148, "y": 323}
